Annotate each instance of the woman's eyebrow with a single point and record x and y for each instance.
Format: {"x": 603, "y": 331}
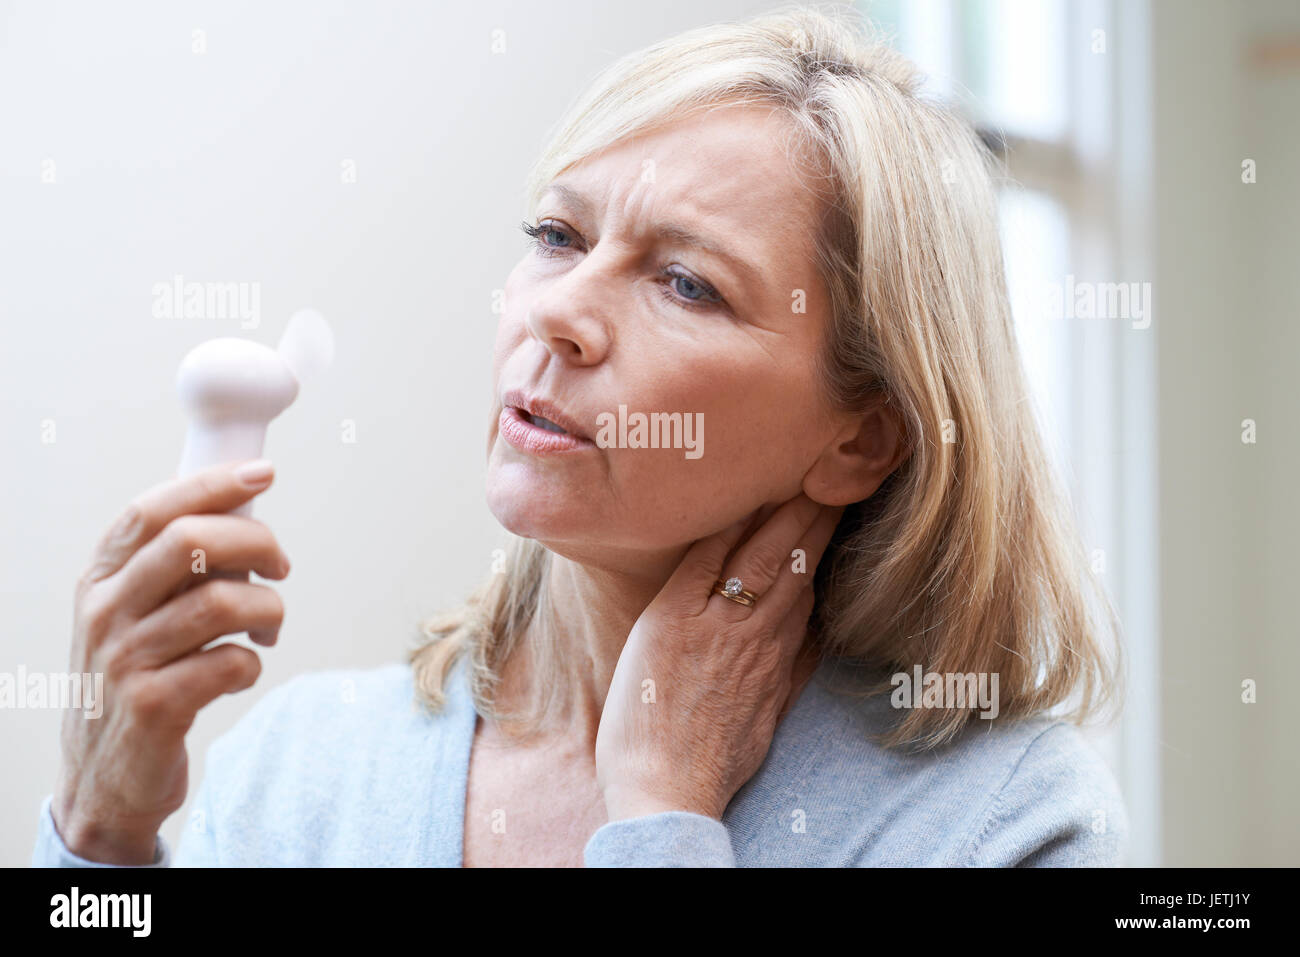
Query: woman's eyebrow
{"x": 670, "y": 232}
{"x": 571, "y": 196}
{"x": 682, "y": 235}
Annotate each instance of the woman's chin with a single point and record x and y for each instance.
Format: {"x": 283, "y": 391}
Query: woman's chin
{"x": 539, "y": 515}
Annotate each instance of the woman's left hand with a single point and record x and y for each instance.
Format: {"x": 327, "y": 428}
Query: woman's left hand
{"x": 702, "y": 681}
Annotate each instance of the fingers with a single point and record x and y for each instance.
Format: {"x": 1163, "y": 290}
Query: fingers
{"x": 701, "y": 566}
{"x": 789, "y": 583}
{"x": 802, "y": 608}
{"x": 187, "y": 549}
{"x": 763, "y": 560}
{"x": 760, "y": 560}
{"x": 170, "y": 697}
{"x": 792, "y": 636}
{"x": 206, "y": 612}
{"x": 216, "y": 489}
{"x": 793, "y": 629}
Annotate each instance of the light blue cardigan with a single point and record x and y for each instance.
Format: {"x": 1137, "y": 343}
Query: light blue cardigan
{"x": 341, "y": 768}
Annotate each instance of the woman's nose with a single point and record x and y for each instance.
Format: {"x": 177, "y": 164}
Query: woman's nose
{"x": 568, "y": 318}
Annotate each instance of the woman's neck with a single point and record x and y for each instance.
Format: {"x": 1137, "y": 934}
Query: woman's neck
{"x": 593, "y": 609}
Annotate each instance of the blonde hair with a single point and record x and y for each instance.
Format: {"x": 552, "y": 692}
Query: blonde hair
{"x": 967, "y": 559}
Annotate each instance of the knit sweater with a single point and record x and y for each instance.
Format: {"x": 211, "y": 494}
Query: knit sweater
{"x": 343, "y": 768}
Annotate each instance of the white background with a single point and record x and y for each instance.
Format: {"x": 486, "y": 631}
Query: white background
{"x": 225, "y": 167}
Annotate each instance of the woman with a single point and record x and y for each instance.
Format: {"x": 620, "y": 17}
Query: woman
{"x": 834, "y": 639}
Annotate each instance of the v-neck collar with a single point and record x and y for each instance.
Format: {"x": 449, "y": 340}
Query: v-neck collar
{"x": 796, "y": 744}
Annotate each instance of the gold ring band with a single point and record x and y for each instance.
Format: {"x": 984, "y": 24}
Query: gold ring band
{"x": 733, "y": 590}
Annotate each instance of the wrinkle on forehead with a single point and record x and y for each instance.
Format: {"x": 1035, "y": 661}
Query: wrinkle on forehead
{"x": 719, "y": 162}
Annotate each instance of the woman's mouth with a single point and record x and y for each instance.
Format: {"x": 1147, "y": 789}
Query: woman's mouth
{"x": 546, "y": 424}
{"x": 533, "y": 433}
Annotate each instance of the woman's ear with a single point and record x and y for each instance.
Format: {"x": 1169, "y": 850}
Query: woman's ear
{"x": 865, "y": 450}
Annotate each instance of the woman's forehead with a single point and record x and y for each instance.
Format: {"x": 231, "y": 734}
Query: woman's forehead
{"x": 728, "y": 156}
{"x": 731, "y": 191}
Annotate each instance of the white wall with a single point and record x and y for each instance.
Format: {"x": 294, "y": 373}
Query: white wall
{"x": 1226, "y": 310}
{"x": 225, "y": 167}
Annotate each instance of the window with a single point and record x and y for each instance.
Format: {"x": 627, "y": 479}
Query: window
{"x": 1040, "y": 79}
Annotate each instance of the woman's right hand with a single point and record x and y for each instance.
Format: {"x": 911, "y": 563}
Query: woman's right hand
{"x": 142, "y": 614}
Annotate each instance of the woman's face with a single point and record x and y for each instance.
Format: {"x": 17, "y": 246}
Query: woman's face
{"x": 621, "y": 308}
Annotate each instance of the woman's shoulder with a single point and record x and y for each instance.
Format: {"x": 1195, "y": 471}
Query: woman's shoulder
{"x": 1028, "y": 792}
{"x": 1058, "y": 804}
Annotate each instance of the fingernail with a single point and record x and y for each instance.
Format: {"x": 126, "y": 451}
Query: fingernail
{"x": 255, "y": 474}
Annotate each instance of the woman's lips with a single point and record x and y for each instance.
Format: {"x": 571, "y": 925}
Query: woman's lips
{"x": 526, "y": 437}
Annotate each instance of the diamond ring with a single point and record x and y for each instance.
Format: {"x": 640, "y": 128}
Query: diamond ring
{"x": 734, "y": 589}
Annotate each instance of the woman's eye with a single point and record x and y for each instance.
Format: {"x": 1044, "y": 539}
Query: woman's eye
{"x": 690, "y": 292}
{"x": 552, "y": 231}
{"x": 693, "y": 290}
{"x": 686, "y": 291}
{"x": 540, "y": 235}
